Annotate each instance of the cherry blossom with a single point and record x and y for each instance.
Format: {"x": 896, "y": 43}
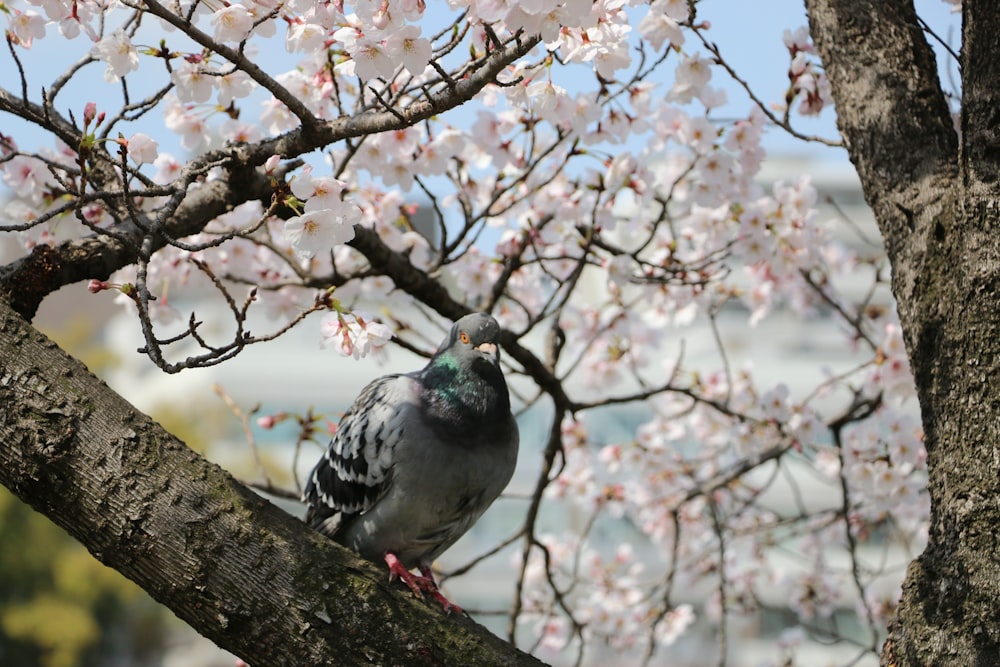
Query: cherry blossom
{"x": 55, "y": 10}
{"x": 321, "y": 192}
{"x": 798, "y": 41}
{"x": 406, "y": 46}
{"x": 319, "y": 231}
{"x": 118, "y": 53}
{"x": 354, "y": 334}
{"x": 186, "y": 121}
{"x": 25, "y": 27}
{"x": 142, "y": 148}
{"x": 232, "y": 23}
{"x": 192, "y": 82}
{"x": 167, "y": 168}
{"x": 233, "y": 86}
{"x": 369, "y": 58}
{"x": 674, "y": 624}
{"x": 26, "y": 176}
{"x": 305, "y": 36}
{"x": 691, "y": 76}
{"x": 658, "y": 26}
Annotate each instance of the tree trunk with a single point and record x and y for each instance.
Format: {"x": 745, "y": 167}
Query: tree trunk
{"x": 936, "y": 202}
{"x": 240, "y": 571}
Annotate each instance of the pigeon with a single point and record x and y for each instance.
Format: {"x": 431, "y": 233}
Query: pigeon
{"x": 419, "y": 457}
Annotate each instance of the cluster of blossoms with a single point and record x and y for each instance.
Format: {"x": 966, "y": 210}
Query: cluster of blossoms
{"x": 576, "y": 193}
{"x": 354, "y": 334}
{"x": 807, "y": 80}
{"x": 327, "y": 220}
{"x": 609, "y": 593}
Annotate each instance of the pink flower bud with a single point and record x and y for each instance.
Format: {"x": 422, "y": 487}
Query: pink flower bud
{"x": 271, "y": 164}
{"x": 268, "y": 422}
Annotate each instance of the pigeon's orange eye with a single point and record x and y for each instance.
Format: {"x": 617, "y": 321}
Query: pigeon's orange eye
{"x": 464, "y": 337}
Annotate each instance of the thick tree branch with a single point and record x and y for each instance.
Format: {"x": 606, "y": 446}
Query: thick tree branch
{"x": 38, "y": 115}
{"x": 980, "y": 96}
{"x": 894, "y": 98}
{"x": 896, "y": 125}
{"x": 939, "y": 215}
{"x": 25, "y": 282}
{"x": 245, "y": 574}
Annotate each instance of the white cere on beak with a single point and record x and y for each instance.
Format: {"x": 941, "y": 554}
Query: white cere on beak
{"x": 489, "y": 349}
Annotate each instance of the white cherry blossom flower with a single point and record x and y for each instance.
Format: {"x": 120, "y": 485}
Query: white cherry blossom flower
{"x": 406, "y": 46}
{"x": 183, "y": 120}
{"x": 26, "y": 27}
{"x": 319, "y": 231}
{"x": 233, "y": 86}
{"x": 121, "y": 57}
{"x": 304, "y": 36}
{"x": 191, "y": 83}
{"x": 354, "y": 334}
{"x": 167, "y": 168}
{"x": 232, "y": 23}
{"x": 142, "y": 148}
{"x": 26, "y": 176}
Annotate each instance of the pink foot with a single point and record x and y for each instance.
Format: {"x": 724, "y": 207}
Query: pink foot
{"x": 419, "y": 584}
{"x": 436, "y": 593}
{"x": 399, "y": 571}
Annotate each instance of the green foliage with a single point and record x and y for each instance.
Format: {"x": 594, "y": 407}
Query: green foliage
{"x": 59, "y": 607}
{"x": 60, "y": 629}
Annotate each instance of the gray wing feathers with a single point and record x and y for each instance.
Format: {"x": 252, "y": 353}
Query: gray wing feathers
{"x": 356, "y": 469}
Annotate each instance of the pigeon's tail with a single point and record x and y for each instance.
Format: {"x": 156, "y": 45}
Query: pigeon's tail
{"x": 325, "y": 520}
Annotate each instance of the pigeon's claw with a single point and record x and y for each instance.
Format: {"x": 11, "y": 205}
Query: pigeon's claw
{"x": 436, "y": 593}
{"x": 399, "y": 571}
{"x": 419, "y": 584}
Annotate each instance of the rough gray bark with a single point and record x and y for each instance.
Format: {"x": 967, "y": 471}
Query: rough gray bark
{"x": 936, "y": 198}
{"x": 248, "y": 576}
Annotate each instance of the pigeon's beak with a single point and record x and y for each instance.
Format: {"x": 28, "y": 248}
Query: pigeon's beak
{"x": 490, "y": 351}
